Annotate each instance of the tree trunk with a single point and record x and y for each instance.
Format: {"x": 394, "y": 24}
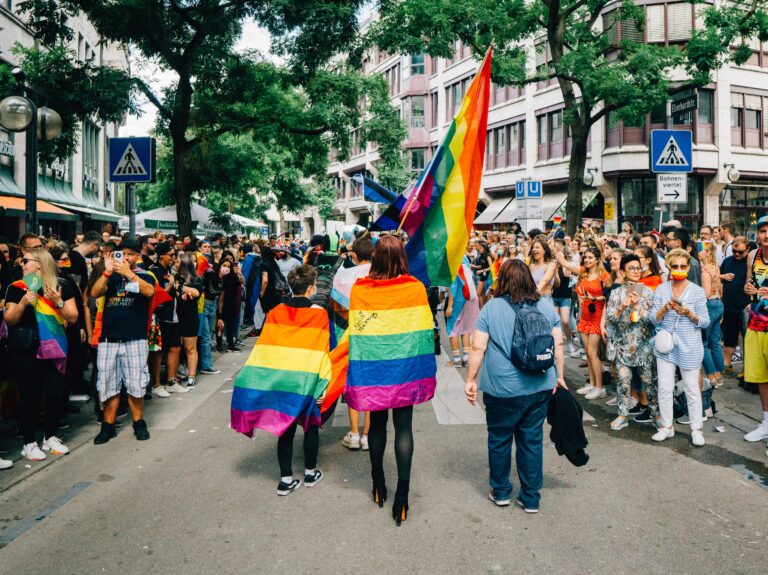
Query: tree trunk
{"x": 180, "y": 191}
{"x": 578, "y": 161}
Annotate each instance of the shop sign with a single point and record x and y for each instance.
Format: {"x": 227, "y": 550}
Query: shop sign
{"x": 7, "y": 148}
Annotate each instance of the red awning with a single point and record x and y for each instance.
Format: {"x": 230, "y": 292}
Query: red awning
{"x": 16, "y": 207}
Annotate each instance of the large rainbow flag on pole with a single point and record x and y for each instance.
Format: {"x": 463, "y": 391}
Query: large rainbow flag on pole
{"x": 391, "y": 345}
{"x": 440, "y": 213}
{"x": 288, "y": 370}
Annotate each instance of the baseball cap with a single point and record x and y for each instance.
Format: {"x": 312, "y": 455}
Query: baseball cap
{"x": 762, "y": 222}
{"x": 163, "y": 248}
{"x": 130, "y": 244}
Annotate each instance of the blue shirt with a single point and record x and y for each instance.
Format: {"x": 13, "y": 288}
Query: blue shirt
{"x": 499, "y": 377}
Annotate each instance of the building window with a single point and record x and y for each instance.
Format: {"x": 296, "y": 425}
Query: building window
{"x": 392, "y": 77}
{"x": 748, "y": 124}
{"x": 433, "y": 108}
{"x": 354, "y": 143}
{"x": 417, "y": 159}
{"x": 417, "y": 111}
{"x": 553, "y": 142}
{"x": 418, "y": 65}
{"x": 454, "y": 94}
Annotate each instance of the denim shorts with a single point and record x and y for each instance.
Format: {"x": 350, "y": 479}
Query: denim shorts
{"x": 561, "y": 301}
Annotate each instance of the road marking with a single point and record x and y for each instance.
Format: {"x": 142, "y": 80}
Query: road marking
{"x": 26, "y": 524}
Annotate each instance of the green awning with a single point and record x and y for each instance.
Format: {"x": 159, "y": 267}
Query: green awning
{"x": 8, "y": 185}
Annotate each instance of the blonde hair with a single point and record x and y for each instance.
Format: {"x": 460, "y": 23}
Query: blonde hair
{"x": 707, "y": 254}
{"x": 48, "y": 272}
{"x": 677, "y": 254}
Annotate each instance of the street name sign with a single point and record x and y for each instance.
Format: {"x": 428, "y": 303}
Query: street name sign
{"x": 672, "y": 188}
{"x": 131, "y": 160}
{"x": 671, "y": 151}
{"x": 683, "y": 107}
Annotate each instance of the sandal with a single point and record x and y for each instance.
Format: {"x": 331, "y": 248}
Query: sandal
{"x": 619, "y": 423}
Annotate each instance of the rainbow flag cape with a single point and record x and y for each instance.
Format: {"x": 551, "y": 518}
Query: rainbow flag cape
{"x": 339, "y": 368}
{"x": 391, "y": 344}
{"x": 440, "y": 213}
{"x": 51, "y": 327}
{"x": 288, "y": 370}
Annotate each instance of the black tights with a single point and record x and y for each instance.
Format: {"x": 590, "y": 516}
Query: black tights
{"x": 285, "y": 449}
{"x": 402, "y": 419}
{"x": 36, "y": 378}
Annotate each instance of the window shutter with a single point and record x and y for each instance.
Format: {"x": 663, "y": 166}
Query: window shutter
{"x": 630, "y": 30}
{"x": 609, "y": 20}
{"x": 679, "y": 21}
{"x": 752, "y": 102}
{"x": 737, "y": 100}
{"x": 654, "y": 23}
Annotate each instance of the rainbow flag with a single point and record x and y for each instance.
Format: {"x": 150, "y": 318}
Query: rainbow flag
{"x": 391, "y": 344}
{"x": 51, "y": 327}
{"x": 339, "y": 367}
{"x": 288, "y": 370}
{"x": 495, "y": 268}
{"x": 440, "y": 214}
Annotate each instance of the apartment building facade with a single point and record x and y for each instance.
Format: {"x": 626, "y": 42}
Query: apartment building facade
{"x": 73, "y": 195}
{"x": 528, "y": 139}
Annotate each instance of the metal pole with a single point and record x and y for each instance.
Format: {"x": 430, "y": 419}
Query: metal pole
{"x": 30, "y": 187}
{"x": 130, "y": 197}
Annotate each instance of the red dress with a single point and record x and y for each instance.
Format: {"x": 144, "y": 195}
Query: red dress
{"x": 589, "y": 321}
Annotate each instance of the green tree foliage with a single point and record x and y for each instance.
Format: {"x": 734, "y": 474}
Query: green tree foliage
{"x": 296, "y": 111}
{"x": 596, "y": 73}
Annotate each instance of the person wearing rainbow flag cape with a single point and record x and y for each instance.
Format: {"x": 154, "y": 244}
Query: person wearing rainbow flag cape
{"x": 284, "y": 380}
{"x": 37, "y": 311}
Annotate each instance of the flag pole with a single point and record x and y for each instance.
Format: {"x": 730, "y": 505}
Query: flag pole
{"x": 414, "y": 192}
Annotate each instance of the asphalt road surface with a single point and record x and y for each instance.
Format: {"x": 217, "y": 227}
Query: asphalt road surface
{"x": 200, "y": 498}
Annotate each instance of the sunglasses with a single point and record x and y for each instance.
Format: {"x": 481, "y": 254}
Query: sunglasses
{"x": 679, "y": 267}
{"x": 739, "y": 252}
{"x": 27, "y": 260}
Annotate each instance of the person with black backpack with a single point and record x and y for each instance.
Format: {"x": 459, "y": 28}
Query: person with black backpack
{"x": 518, "y": 342}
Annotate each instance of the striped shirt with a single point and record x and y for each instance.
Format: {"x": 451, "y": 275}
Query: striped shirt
{"x": 688, "y": 353}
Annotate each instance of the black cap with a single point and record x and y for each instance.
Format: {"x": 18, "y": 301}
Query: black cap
{"x": 163, "y": 248}
{"x": 317, "y": 240}
{"x": 130, "y": 244}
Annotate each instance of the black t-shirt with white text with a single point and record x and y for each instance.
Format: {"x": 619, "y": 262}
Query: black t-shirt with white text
{"x": 126, "y": 314}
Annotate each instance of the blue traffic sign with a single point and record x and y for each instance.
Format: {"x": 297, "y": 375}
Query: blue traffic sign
{"x": 528, "y": 189}
{"x": 671, "y": 151}
{"x": 131, "y": 160}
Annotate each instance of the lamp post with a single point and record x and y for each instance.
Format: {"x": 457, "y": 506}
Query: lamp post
{"x": 20, "y": 114}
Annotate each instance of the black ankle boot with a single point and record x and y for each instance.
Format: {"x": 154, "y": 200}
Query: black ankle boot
{"x": 379, "y": 491}
{"x": 400, "y": 506}
{"x": 107, "y": 432}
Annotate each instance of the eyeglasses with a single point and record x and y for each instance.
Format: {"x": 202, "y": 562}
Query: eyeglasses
{"x": 739, "y": 252}
{"x": 27, "y": 260}
{"x": 64, "y": 259}
{"x": 633, "y": 269}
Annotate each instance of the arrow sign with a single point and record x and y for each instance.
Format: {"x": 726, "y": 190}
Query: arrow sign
{"x": 672, "y": 188}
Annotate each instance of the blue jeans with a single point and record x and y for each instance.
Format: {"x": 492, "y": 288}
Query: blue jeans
{"x": 520, "y": 419}
{"x": 713, "y": 352}
{"x": 205, "y": 333}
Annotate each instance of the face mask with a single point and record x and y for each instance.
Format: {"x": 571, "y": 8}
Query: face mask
{"x": 645, "y": 269}
{"x": 500, "y": 252}
{"x": 225, "y": 271}
{"x": 678, "y": 275}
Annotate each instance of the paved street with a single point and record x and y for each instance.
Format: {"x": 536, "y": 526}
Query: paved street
{"x": 199, "y": 498}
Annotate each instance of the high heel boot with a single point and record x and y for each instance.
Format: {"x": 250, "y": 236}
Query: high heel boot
{"x": 400, "y": 506}
{"x": 379, "y": 491}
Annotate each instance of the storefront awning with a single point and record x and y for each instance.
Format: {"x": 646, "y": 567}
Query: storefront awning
{"x": 15, "y": 207}
{"x": 508, "y": 214}
{"x": 493, "y": 210}
{"x": 558, "y": 208}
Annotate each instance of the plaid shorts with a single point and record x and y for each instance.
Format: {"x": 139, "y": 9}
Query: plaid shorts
{"x": 122, "y": 363}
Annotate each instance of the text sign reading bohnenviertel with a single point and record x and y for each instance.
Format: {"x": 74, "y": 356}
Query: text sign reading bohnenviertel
{"x": 131, "y": 160}
{"x": 672, "y": 188}
{"x": 671, "y": 151}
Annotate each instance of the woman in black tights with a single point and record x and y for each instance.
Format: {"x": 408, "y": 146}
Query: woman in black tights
{"x": 391, "y": 347}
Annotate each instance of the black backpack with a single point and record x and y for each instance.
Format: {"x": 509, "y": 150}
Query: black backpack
{"x": 533, "y": 347}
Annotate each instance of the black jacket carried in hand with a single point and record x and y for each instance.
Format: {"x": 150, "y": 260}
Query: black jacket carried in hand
{"x": 564, "y": 414}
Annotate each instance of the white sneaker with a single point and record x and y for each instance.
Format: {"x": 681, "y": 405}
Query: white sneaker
{"x": 176, "y": 388}
{"x": 596, "y": 393}
{"x": 758, "y": 434}
{"x": 697, "y": 437}
{"x": 585, "y": 389}
{"x": 613, "y": 401}
{"x": 5, "y": 463}
{"x": 663, "y": 433}
{"x": 352, "y": 440}
{"x": 55, "y": 445}
{"x": 160, "y": 391}
{"x": 575, "y": 353}
{"x": 32, "y": 452}
{"x": 364, "y": 442}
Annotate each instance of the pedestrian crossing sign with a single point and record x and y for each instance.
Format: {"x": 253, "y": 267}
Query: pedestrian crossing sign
{"x": 131, "y": 160}
{"x": 671, "y": 151}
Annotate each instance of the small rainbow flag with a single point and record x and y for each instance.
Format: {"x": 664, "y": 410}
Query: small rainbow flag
{"x": 51, "y": 327}
{"x": 495, "y": 268}
{"x": 391, "y": 344}
{"x": 288, "y": 370}
{"x": 440, "y": 213}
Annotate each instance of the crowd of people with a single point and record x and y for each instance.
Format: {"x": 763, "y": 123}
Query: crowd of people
{"x": 659, "y": 318}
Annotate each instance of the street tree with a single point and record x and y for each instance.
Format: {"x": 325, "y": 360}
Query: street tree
{"x": 595, "y": 54}
{"x": 195, "y": 39}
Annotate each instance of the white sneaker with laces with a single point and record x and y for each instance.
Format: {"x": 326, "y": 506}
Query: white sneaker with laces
{"x": 575, "y": 352}
{"x": 585, "y": 389}
{"x": 663, "y": 433}
{"x": 55, "y": 445}
{"x": 697, "y": 437}
{"x": 596, "y": 393}
{"x": 32, "y": 452}
{"x": 758, "y": 434}
{"x": 176, "y": 388}
{"x": 352, "y": 440}
{"x": 5, "y": 463}
{"x": 160, "y": 391}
